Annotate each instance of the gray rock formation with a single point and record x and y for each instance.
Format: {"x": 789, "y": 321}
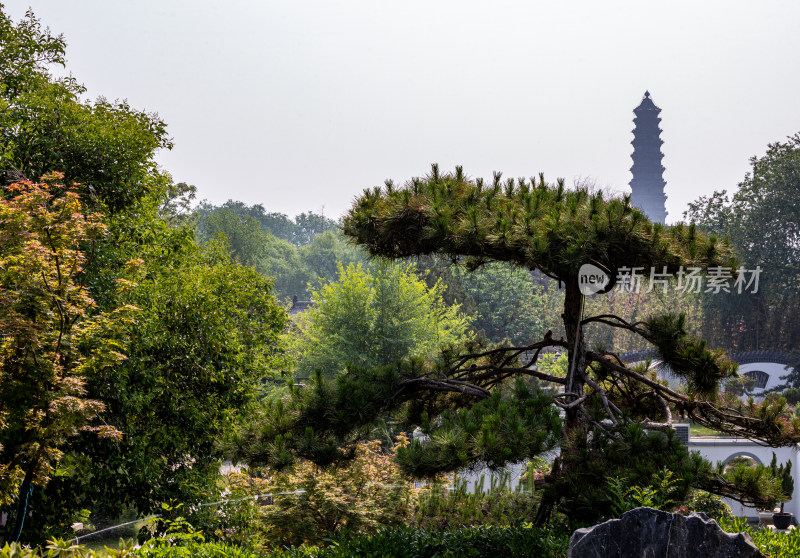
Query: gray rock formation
{"x": 649, "y": 533}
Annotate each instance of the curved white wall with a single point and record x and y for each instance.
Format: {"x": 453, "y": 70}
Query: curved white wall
{"x": 774, "y": 370}
{"x": 724, "y": 449}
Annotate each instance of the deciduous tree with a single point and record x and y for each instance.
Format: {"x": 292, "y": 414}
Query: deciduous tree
{"x": 762, "y": 220}
{"x": 371, "y": 318}
{"x": 51, "y": 341}
{"x": 106, "y": 147}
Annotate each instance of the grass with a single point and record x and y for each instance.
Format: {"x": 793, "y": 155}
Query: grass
{"x": 697, "y": 430}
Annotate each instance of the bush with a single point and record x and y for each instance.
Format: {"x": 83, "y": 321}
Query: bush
{"x": 660, "y": 476}
{"x": 196, "y": 550}
{"x": 403, "y": 542}
{"x": 439, "y": 507}
{"x": 313, "y": 504}
{"x": 475, "y": 542}
{"x": 65, "y": 549}
{"x": 709, "y": 504}
{"x": 771, "y": 543}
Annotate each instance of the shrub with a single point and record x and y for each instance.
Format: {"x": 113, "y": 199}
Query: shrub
{"x": 709, "y": 504}
{"x": 660, "y": 476}
{"x": 475, "y": 542}
{"x": 197, "y": 550}
{"x": 439, "y": 507}
{"x": 773, "y": 544}
{"x": 312, "y": 504}
{"x": 65, "y": 549}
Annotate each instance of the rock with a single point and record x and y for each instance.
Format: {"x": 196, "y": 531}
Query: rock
{"x": 649, "y": 533}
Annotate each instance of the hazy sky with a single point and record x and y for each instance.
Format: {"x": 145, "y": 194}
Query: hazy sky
{"x": 300, "y": 105}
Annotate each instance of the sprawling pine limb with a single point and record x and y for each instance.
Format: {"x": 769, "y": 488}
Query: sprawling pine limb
{"x": 493, "y": 366}
{"x": 470, "y": 374}
{"x": 412, "y": 385}
{"x": 615, "y": 321}
{"x": 760, "y": 423}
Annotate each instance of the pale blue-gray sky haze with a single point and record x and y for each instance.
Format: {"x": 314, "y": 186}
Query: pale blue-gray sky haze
{"x": 299, "y": 105}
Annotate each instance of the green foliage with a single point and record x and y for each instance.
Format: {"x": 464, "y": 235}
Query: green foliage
{"x": 27, "y": 52}
{"x": 324, "y": 406}
{"x": 601, "y": 480}
{"x": 373, "y": 318}
{"x": 58, "y": 548}
{"x": 327, "y": 252}
{"x": 206, "y": 329}
{"x": 283, "y": 265}
{"x": 688, "y": 358}
{"x": 511, "y": 425}
{"x": 106, "y": 147}
{"x": 635, "y": 307}
{"x": 205, "y": 337}
{"x": 659, "y": 494}
{"x": 442, "y": 507}
{"x": 506, "y": 302}
{"x": 709, "y": 504}
{"x": 105, "y": 153}
{"x": 475, "y": 542}
{"x": 360, "y": 496}
{"x": 404, "y": 542}
{"x": 762, "y": 219}
{"x": 197, "y": 550}
{"x": 172, "y": 529}
{"x": 510, "y": 303}
{"x": 207, "y": 334}
{"x": 792, "y": 396}
{"x": 756, "y": 484}
{"x": 463, "y": 401}
{"x": 175, "y": 537}
{"x": 553, "y": 364}
{"x": 528, "y": 222}
{"x": 253, "y": 241}
{"x": 311, "y": 504}
{"x": 301, "y": 230}
{"x": 783, "y": 472}
{"x": 51, "y": 344}
{"x": 252, "y": 246}
{"x": 773, "y": 544}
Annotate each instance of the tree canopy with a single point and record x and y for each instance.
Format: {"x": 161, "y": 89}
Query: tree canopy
{"x": 370, "y": 318}
{"x": 762, "y": 219}
{"x": 107, "y": 148}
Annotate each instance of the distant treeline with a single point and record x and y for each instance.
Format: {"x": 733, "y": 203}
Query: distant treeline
{"x": 761, "y": 220}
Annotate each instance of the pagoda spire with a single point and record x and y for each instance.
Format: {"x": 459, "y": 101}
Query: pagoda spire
{"x": 647, "y": 185}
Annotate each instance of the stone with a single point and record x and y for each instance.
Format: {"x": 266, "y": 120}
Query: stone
{"x": 649, "y": 533}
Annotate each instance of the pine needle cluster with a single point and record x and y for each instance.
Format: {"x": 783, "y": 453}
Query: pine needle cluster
{"x": 530, "y": 222}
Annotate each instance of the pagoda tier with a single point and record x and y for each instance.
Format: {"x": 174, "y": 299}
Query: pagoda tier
{"x": 647, "y": 185}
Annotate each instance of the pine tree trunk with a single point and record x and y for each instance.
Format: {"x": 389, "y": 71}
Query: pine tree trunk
{"x": 576, "y": 376}
{"x": 576, "y": 380}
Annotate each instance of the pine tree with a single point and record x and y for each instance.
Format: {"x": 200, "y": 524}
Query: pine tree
{"x": 483, "y": 404}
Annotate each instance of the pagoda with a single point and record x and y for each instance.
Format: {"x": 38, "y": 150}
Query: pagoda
{"x": 647, "y": 185}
